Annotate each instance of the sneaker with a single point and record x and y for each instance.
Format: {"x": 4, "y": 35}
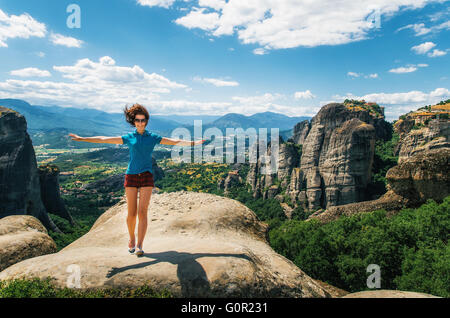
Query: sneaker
{"x": 140, "y": 252}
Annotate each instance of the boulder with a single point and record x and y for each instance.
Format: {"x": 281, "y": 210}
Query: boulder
{"x": 197, "y": 245}
{"x": 23, "y": 237}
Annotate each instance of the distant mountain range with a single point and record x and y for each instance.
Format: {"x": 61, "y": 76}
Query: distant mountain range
{"x": 90, "y": 122}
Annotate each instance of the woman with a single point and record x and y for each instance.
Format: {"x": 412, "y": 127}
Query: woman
{"x": 139, "y": 175}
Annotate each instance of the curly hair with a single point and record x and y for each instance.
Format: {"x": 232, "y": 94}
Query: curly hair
{"x": 136, "y": 109}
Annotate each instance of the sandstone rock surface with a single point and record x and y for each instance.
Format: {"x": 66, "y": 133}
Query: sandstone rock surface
{"x": 23, "y": 237}
{"x": 197, "y": 245}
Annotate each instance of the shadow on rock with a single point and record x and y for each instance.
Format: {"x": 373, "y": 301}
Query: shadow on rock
{"x": 193, "y": 279}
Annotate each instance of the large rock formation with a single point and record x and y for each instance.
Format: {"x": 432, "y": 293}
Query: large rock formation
{"x": 423, "y": 170}
{"x": 23, "y": 237}
{"x": 197, "y": 245}
{"x": 19, "y": 179}
{"x": 426, "y": 175}
{"x": 50, "y": 193}
{"x": 328, "y": 161}
{"x": 435, "y": 134}
{"x": 269, "y": 185}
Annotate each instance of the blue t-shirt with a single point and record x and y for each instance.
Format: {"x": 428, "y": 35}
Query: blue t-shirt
{"x": 141, "y": 149}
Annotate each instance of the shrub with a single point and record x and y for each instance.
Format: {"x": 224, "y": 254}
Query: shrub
{"x": 43, "y": 288}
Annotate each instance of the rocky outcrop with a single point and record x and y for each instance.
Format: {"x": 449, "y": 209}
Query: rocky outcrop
{"x": 50, "y": 193}
{"x": 19, "y": 179}
{"x": 300, "y": 132}
{"x": 425, "y": 175}
{"x": 337, "y": 157}
{"x": 418, "y": 178}
{"x": 265, "y": 185}
{"x": 383, "y": 293}
{"x": 197, "y": 245}
{"x": 328, "y": 161}
{"x": 434, "y": 135}
{"x": 232, "y": 179}
{"x": 23, "y": 237}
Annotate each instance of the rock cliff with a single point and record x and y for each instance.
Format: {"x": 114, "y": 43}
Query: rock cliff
{"x": 19, "y": 179}
{"x": 50, "y": 194}
{"x": 197, "y": 245}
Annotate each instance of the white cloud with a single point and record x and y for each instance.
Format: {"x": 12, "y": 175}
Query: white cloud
{"x": 278, "y": 24}
{"x": 436, "y": 53}
{"x": 407, "y": 69}
{"x": 423, "y": 48}
{"x": 30, "y": 72}
{"x": 156, "y": 3}
{"x": 216, "y": 82}
{"x": 197, "y": 19}
{"x": 215, "y": 4}
{"x": 22, "y": 26}
{"x": 68, "y": 41}
{"x": 420, "y": 28}
{"x": 356, "y": 75}
{"x": 401, "y": 70}
{"x": 274, "y": 102}
{"x": 101, "y": 85}
{"x": 401, "y": 103}
{"x": 258, "y": 100}
{"x": 259, "y": 51}
{"x": 304, "y": 95}
{"x": 353, "y": 74}
{"x": 40, "y": 54}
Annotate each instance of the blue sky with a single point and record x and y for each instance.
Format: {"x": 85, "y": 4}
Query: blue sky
{"x": 216, "y": 56}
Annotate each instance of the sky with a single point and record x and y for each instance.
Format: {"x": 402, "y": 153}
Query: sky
{"x": 214, "y": 57}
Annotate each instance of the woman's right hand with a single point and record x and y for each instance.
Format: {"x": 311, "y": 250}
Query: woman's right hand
{"x": 75, "y": 137}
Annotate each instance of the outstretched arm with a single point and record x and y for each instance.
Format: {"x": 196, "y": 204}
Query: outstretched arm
{"x": 179, "y": 142}
{"x": 98, "y": 139}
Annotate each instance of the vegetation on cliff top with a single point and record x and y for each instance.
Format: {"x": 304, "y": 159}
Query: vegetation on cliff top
{"x": 374, "y": 109}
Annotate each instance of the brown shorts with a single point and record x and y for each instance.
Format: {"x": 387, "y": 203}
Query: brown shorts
{"x": 144, "y": 179}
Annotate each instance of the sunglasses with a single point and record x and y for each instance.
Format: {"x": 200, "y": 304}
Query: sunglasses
{"x": 140, "y": 120}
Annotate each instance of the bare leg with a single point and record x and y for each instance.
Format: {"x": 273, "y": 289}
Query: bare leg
{"x": 131, "y": 194}
{"x": 144, "y": 200}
